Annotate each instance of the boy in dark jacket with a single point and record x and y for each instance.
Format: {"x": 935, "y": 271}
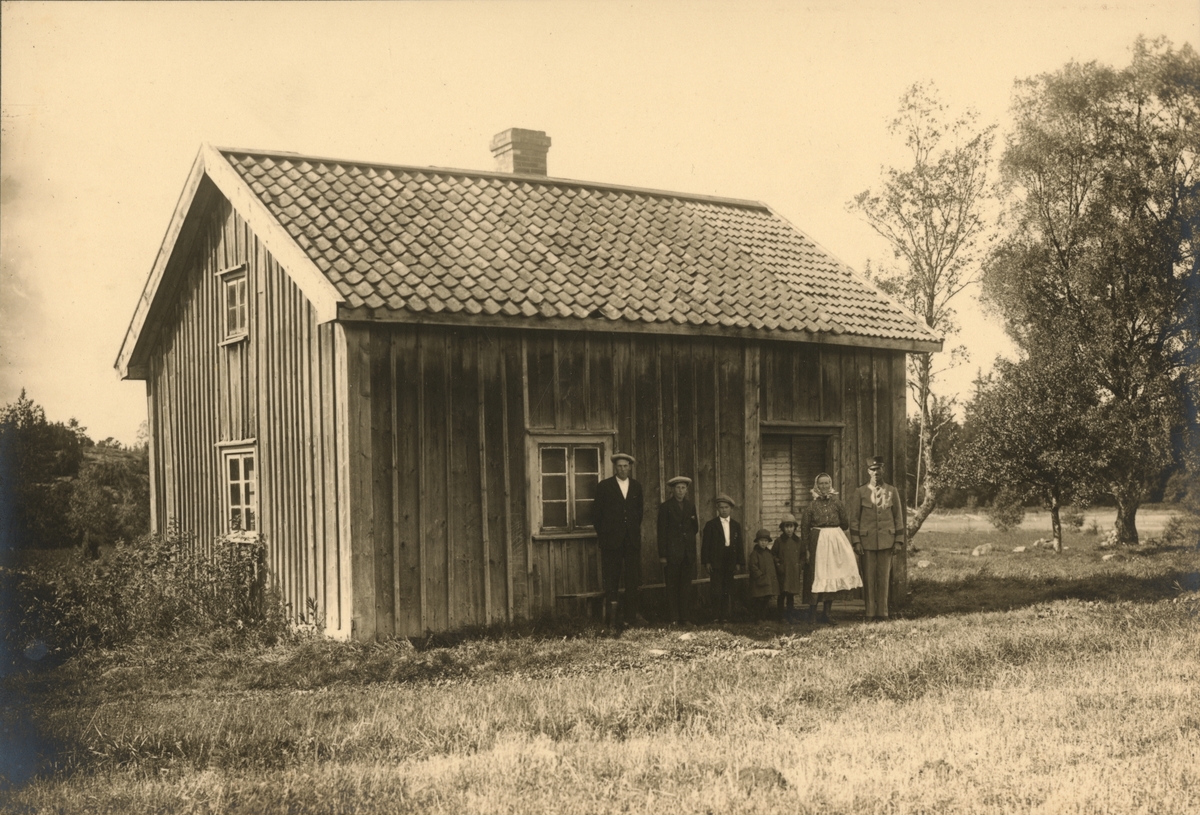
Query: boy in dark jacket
{"x": 721, "y": 552}
{"x": 764, "y": 580}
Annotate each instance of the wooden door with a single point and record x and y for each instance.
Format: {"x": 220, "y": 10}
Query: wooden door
{"x": 790, "y": 464}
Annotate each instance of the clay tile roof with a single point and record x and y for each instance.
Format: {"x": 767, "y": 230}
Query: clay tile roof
{"x": 462, "y": 241}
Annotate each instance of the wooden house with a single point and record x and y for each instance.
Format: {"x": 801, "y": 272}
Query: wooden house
{"x": 409, "y": 380}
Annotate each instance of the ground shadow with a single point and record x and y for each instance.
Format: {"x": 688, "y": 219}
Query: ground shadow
{"x": 987, "y": 592}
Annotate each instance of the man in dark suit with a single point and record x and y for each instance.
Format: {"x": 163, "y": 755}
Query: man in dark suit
{"x": 722, "y": 553}
{"x": 618, "y": 520}
{"x": 677, "y": 528}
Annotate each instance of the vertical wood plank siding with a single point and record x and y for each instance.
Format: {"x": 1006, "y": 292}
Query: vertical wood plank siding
{"x": 393, "y": 491}
{"x": 273, "y": 389}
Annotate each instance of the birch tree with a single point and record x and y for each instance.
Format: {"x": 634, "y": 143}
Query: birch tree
{"x": 933, "y": 214}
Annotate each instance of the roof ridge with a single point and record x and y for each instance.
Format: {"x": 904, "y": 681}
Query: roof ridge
{"x": 539, "y": 179}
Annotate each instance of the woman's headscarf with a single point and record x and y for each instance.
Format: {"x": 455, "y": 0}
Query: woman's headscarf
{"x": 816, "y": 493}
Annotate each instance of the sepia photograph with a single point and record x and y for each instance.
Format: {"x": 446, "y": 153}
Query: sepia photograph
{"x": 536, "y": 406}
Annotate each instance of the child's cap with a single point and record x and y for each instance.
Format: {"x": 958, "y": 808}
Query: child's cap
{"x": 762, "y": 535}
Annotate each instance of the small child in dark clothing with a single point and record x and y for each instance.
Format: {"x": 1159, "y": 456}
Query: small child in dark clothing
{"x": 790, "y": 555}
{"x": 764, "y": 579}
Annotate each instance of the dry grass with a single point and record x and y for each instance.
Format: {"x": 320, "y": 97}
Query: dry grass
{"x": 1076, "y": 690}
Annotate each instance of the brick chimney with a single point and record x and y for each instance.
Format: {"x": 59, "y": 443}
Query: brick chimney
{"x": 521, "y": 151}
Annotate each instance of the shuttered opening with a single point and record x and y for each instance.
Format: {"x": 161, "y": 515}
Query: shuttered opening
{"x": 790, "y": 464}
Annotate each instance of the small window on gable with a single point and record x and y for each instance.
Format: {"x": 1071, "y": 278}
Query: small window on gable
{"x": 241, "y": 490}
{"x": 566, "y": 475}
{"x": 234, "y": 285}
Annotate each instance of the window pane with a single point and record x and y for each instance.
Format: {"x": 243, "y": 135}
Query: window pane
{"x": 554, "y": 488}
{"x": 249, "y": 527}
{"x": 554, "y": 459}
{"x": 248, "y": 490}
{"x": 554, "y": 513}
{"x": 235, "y": 494}
{"x": 235, "y": 519}
{"x": 583, "y": 513}
{"x": 585, "y": 487}
{"x": 248, "y": 465}
{"x": 587, "y": 460}
{"x": 234, "y": 469}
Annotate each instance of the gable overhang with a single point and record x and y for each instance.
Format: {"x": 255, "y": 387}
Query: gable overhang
{"x": 212, "y": 167}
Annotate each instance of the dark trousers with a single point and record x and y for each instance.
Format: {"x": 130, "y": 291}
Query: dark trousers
{"x": 721, "y": 589}
{"x": 678, "y": 574}
{"x": 877, "y": 574}
{"x": 621, "y": 562}
{"x": 761, "y": 607}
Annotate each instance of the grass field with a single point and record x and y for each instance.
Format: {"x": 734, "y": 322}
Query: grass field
{"x": 1014, "y": 682}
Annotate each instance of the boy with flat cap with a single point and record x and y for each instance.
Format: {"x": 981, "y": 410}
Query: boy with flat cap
{"x": 876, "y": 529}
{"x": 618, "y": 520}
{"x": 677, "y": 528}
{"x": 722, "y": 554}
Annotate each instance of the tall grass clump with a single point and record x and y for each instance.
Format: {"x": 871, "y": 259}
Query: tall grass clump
{"x": 160, "y": 585}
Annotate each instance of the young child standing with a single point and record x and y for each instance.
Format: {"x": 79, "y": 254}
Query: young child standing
{"x": 764, "y": 580}
{"x": 790, "y": 553}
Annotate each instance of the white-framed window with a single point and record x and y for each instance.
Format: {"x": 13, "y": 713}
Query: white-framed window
{"x": 235, "y": 309}
{"x": 240, "y": 475}
{"x": 564, "y": 473}
{"x": 235, "y": 305}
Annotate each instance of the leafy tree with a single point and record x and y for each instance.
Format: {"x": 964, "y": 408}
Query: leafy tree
{"x": 111, "y": 498}
{"x": 38, "y": 460}
{"x": 1099, "y": 262}
{"x": 1028, "y": 432}
{"x": 932, "y": 214}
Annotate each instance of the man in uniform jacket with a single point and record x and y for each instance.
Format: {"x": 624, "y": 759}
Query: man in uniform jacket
{"x": 677, "y": 528}
{"x": 618, "y": 520}
{"x": 876, "y": 529}
{"x": 722, "y": 553}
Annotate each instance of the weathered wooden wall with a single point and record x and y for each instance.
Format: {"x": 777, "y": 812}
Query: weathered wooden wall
{"x": 276, "y": 390}
{"x": 448, "y": 513}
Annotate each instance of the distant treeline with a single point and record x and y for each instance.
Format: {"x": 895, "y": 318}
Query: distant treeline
{"x": 59, "y": 488}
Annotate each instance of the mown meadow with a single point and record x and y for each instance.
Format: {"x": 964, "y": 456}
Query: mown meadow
{"x": 1013, "y": 682}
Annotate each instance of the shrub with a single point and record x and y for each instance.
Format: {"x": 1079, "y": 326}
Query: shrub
{"x": 1182, "y": 530}
{"x": 159, "y": 586}
{"x": 1071, "y": 517}
{"x": 1007, "y": 511}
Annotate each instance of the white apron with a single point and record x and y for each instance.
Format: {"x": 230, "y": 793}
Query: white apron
{"x": 836, "y": 568}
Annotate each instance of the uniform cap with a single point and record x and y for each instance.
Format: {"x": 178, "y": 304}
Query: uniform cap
{"x": 623, "y": 457}
{"x": 679, "y": 479}
{"x": 723, "y": 498}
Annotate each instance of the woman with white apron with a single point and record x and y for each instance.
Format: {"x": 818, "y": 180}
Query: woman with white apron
{"x": 832, "y": 566}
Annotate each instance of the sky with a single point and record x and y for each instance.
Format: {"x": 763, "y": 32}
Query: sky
{"x": 105, "y": 105}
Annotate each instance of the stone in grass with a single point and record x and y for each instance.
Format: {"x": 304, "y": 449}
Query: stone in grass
{"x": 981, "y": 549}
{"x": 688, "y": 636}
{"x": 1019, "y": 549}
{"x": 1109, "y": 556}
{"x": 924, "y": 564}
{"x": 760, "y": 778}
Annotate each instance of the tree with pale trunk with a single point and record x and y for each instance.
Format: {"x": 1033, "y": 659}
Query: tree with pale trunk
{"x": 1099, "y": 263}
{"x": 933, "y": 213}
